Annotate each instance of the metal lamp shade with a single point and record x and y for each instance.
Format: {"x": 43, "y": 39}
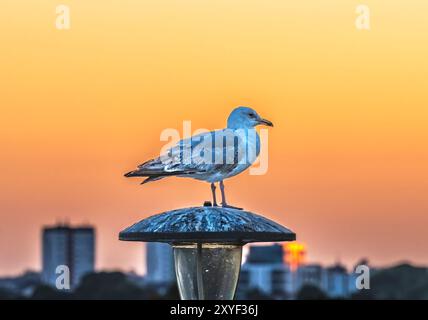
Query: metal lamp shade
{"x": 207, "y": 244}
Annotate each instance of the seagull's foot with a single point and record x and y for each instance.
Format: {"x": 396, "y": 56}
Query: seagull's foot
{"x": 225, "y": 205}
{"x": 209, "y": 204}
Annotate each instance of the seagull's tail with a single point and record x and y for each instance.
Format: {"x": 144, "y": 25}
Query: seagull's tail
{"x": 155, "y": 170}
{"x": 150, "y": 179}
{"x": 134, "y": 173}
{"x": 151, "y": 176}
{"x": 149, "y": 168}
{"x": 156, "y": 175}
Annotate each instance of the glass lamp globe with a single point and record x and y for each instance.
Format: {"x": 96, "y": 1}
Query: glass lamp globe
{"x": 207, "y": 243}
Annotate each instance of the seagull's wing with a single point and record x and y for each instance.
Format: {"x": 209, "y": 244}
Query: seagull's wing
{"x": 200, "y": 154}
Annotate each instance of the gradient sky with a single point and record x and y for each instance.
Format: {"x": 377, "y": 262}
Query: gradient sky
{"x": 348, "y": 155}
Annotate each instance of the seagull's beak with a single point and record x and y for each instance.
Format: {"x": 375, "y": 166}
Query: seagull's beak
{"x": 266, "y": 122}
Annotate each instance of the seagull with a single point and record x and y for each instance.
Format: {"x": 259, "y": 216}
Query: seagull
{"x": 210, "y": 156}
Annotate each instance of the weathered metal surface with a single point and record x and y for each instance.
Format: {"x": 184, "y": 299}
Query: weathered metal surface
{"x": 208, "y": 225}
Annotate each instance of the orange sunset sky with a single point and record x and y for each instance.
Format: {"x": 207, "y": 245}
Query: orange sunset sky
{"x": 347, "y": 156}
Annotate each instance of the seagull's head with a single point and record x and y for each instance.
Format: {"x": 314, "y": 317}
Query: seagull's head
{"x": 245, "y": 118}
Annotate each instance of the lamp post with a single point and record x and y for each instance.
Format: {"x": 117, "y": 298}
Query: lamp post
{"x": 207, "y": 244}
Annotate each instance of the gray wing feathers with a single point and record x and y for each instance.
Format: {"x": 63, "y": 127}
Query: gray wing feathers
{"x": 185, "y": 159}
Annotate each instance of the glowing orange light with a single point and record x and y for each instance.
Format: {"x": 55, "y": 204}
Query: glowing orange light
{"x": 295, "y": 254}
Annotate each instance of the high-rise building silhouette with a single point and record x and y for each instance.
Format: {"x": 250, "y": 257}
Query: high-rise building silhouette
{"x": 73, "y": 247}
{"x": 160, "y": 263}
{"x": 281, "y": 271}
{"x": 266, "y": 254}
{"x": 265, "y": 271}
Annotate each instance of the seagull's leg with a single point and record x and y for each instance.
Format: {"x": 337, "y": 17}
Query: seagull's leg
{"x": 213, "y": 187}
{"x": 223, "y": 198}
